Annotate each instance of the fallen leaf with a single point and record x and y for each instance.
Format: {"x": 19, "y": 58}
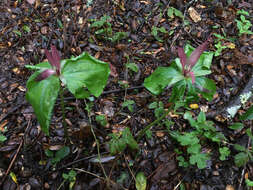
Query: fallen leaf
{"x": 194, "y": 14}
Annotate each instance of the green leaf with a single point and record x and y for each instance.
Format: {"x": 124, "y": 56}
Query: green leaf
{"x": 49, "y": 153}
{"x": 241, "y": 159}
{"x": 224, "y": 152}
{"x": 188, "y": 116}
{"x": 170, "y": 12}
{"x": 182, "y": 161}
{"x": 178, "y": 13}
{"x": 199, "y": 159}
{"x": 201, "y": 117}
{"x": 119, "y": 36}
{"x": 129, "y": 139}
{"x": 194, "y": 149}
{"x": 236, "y": 126}
{"x": 101, "y": 119}
{"x": 141, "y": 181}
{"x": 162, "y": 77}
{"x": 26, "y": 28}
{"x": 60, "y": 154}
{"x": 240, "y": 148}
{"x": 187, "y": 139}
{"x": 248, "y": 115}
{"x": 2, "y": 138}
{"x": 85, "y": 71}
{"x": 42, "y": 96}
{"x": 132, "y": 67}
{"x": 153, "y": 105}
{"x": 206, "y": 84}
{"x": 249, "y": 183}
{"x": 116, "y": 144}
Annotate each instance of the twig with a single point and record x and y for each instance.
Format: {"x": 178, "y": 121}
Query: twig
{"x": 12, "y": 162}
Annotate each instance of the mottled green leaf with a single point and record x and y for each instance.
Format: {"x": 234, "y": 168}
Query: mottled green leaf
{"x": 141, "y": 181}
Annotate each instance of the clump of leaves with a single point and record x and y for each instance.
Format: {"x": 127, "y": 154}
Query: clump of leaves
{"x": 193, "y": 140}
{"x": 155, "y": 32}
{"x": 83, "y": 76}
{"x": 243, "y": 24}
{"x": 69, "y": 177}
{"x": 120, "y": 141}
{"x": 185, "y": 74}
{"x": 103, "y": 29}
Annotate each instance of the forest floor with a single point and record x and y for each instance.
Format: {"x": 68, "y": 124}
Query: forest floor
{"x": 26, "y": 30}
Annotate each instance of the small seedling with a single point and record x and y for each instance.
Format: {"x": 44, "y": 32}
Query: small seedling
{"x": 155, "y": 33}
{"x": 140, "y": 181}
{"x": 119, "y": 141}
{"x": 101, "y": 120}
{"x": 129, "y": 104}
{"x": 69, "y": 177}
{"x": 243, "y": 24}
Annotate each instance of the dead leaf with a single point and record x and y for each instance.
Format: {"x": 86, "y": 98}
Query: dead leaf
{"x": 194, "y": 14}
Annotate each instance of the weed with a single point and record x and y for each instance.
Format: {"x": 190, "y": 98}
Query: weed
{"x": 243, "y": 24}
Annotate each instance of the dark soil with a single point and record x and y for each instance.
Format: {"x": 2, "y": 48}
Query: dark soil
{"x": 67, "y": 25}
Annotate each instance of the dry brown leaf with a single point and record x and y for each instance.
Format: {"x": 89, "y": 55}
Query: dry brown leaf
{"x": 194, "y": 14}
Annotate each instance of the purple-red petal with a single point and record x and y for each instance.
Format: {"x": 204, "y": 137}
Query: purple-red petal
{"x": 50, "y": 58}
{"x": 56, "y": 57}
{"x": 45, "y": 74}
{"x": 193, "y": 59}
{"x": 192, "y": 76}
{"x": 182, "y": 56}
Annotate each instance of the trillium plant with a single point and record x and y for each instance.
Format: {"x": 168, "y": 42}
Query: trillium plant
{"x": 185, "y": 75}
{"x": 83, "y": 76}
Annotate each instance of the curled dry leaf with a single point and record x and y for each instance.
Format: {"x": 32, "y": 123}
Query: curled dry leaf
{"x": 194, "y": 14}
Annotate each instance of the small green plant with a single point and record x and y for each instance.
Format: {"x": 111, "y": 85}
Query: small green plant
{"x": 82, "y": 76}
{"x": 243, "y": 24}
{"x": 172, "y": 12}
{"x": 185, "y": 75}
{"x": 103, "y": 29}
{"x": 158, "y": 107}
{"x": 69, "y": 177}
{"x": 133, "y": 67}
{"x": 193, "y": 140}
{"x": 129, "y": 104}
{"x": 120, "y": 141}
{"x": 140, "y": 181}
{"x": 224, "y": 153}
{"x": 155, "y": 33}
{"x": 57, "y": 156}
{"x": 2, "y": 136}
{"x": 101, "y": 120}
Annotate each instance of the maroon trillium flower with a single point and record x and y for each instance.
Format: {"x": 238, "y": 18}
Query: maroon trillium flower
{"x": 188, "y": 63}
{"x": 54, "y": 59}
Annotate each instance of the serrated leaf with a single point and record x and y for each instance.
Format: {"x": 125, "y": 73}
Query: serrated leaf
{"x": 187, "y": 139}
{"x": 42, "y": 96}
{"x": 141, "y": 181}
{"x": 194, "y": 149}
{"x": 224, "y": 152}
{"x": 85, "y": 71}
{"x": 241, "y": 159}
{"x": 199, "y": 159}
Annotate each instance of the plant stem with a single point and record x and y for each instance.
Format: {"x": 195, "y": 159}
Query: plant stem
{"x": 63, "y": 114}
{"x": 98, "y": 145}
{"x": 143, "y": 131}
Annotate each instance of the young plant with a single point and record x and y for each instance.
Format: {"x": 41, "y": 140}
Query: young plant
{"x": 83, "y": 76}
{"x": 204, "y": 130}
{"x": 155, "y": 33}
{"x": 185, "y": 74}
{"x": 104, "y": 30}
{"x": 243, "y": 24}
{"x": 119, "y": 142}
{"x": 69, "y": 177}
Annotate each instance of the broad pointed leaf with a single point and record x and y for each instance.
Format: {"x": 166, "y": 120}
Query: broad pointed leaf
{"x": 42, "y": 96}
{"x": 85, "y": 71}
{"x": 162, "y": 77}
{"x": 206, "y": 86}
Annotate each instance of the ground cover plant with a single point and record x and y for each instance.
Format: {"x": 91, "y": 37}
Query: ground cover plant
{"x": 126, "y": 94}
